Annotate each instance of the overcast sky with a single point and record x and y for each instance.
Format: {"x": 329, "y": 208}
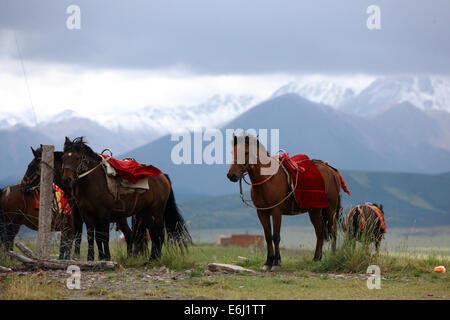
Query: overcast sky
{"x": 218, "y": 38}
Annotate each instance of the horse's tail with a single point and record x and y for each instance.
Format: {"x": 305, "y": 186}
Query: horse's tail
{"x": 343, "y": 184}
{"x": 339, "y": 217}
{"x": 326, "y": 224}
{"x": 174, "y": 222}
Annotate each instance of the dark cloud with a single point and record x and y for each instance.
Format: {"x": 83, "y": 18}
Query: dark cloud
{"x": 235, "y": 36}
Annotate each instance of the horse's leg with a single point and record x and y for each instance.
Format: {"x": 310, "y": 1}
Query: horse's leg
{"x": 65, "y": 245}
{"x": 155, "y": 224}
{"x": 264, "y": 218}
{"x": 90, "y": 239}
{"x": 77, "y": 246}
{"x": 139, "y": 235}
{"x": 125, "y": 229}
{"x": 276, "y": 238}
{"x": 99, "y": 234}
{"x": 105, "y": 237}
{"x": 77, "y": 224}
{"x": 157, "y": 238}
{"x": 11, "y": 231}
{"x": 378, "y": 237}
{"x": 316, "y": 218}
{"x": 62, "y": 246}
{"x": 332, "y": 226}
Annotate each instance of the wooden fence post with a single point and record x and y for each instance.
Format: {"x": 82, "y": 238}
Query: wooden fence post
{"x": 45, "y": 204}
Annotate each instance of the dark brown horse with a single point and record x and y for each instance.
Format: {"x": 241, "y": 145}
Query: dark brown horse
{"x": 18, "y": 206}
{"x": 154, "y": 210}
{"x": 366, "y": 223}
{"x": 31, "y": 179}
{"x": 273, "y": 197}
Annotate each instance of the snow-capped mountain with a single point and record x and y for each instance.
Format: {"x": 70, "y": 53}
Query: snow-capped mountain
{"x": 10, "y": 119}
{"x": 332, "y": 91}
{"x": 367, "y": 96}
{"x": 424, "y": 92}
{"x": 214, "y": 112}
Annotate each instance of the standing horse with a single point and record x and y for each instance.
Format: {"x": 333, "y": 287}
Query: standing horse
{"x": 155, "y": 209}
{"x": 18, "y": 209}
{"x": 366, "y": 223}
{"x": 272, "y": 196}
{"x": 18, "y": 204}
{"x": 32, "y": 178}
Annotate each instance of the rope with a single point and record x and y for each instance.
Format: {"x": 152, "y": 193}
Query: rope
{"x": 276, "y": 205}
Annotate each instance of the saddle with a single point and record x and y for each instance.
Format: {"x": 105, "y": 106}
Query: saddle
{"x": 120, "y": 187}
{"x": 306, "y": 179}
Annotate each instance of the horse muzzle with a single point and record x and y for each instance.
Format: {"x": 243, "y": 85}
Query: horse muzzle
{"x": 233, "y": 177}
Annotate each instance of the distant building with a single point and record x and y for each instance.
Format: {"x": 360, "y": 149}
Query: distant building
{"x": 240, "y": 240}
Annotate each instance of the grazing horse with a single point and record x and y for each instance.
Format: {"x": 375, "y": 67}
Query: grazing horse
{"x": 155, "y": 209}
{"x": 32, "y": 178}
{"x": 272, "y": 195}
{"x": 365, "y": 222}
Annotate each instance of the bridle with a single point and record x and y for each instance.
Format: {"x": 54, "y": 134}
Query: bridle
{"x": 82, "y": 169}
{"x": 244, "y": 172}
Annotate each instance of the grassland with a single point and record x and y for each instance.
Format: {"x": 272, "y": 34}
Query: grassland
{"x": 342, "y": 275}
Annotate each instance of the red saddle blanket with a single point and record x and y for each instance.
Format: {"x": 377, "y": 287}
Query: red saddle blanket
{"x": 310, "y": 187}
{"x": 59, "y": 203}
{"x": 131, "y": 170}
{"x": 381, "y": 222}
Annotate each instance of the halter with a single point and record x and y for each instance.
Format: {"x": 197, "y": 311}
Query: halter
{"x": 82, "y": 166}
{"x": 266, "y": 180}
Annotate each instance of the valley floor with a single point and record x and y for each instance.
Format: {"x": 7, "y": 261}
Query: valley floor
{"x": 185, "y": 277}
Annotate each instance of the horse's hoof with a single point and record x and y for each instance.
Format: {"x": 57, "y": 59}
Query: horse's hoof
{"x": 266, "y": 267}
{"x": 274, "y": 268}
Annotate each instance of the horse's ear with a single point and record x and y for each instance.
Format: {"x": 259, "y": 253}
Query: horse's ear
{"x": 34, "y": 151}
{"x": 381, "y": 207}
{"x": 67, "y": 140}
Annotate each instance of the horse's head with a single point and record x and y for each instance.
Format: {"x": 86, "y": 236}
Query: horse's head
{"x": 246, "y": 153}
{"x": 76, "y": 159}
{"x": 33, "y": 173}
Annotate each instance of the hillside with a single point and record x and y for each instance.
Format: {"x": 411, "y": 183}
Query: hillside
{"x": 409, "y": 200}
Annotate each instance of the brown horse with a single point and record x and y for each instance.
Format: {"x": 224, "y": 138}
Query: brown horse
{"x": 18, "y": 206}
{"x": 272, "y": 196}
{"x": 154, "y": 210}
{"x": 31, "y": 179}
{"x": 18, "y": 209}
{"x": 366, "y": 223}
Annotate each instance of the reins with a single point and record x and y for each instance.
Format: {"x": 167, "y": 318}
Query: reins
{"x": 264, "y": 181}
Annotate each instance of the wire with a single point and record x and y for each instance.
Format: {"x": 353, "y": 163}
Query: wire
{"x": 23, "y": 70}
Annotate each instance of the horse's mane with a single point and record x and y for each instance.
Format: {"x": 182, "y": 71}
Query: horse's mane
{"x": 249, "y": 139}
{"x": 57, "y": 154}
{"x": 80, "y": 145}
